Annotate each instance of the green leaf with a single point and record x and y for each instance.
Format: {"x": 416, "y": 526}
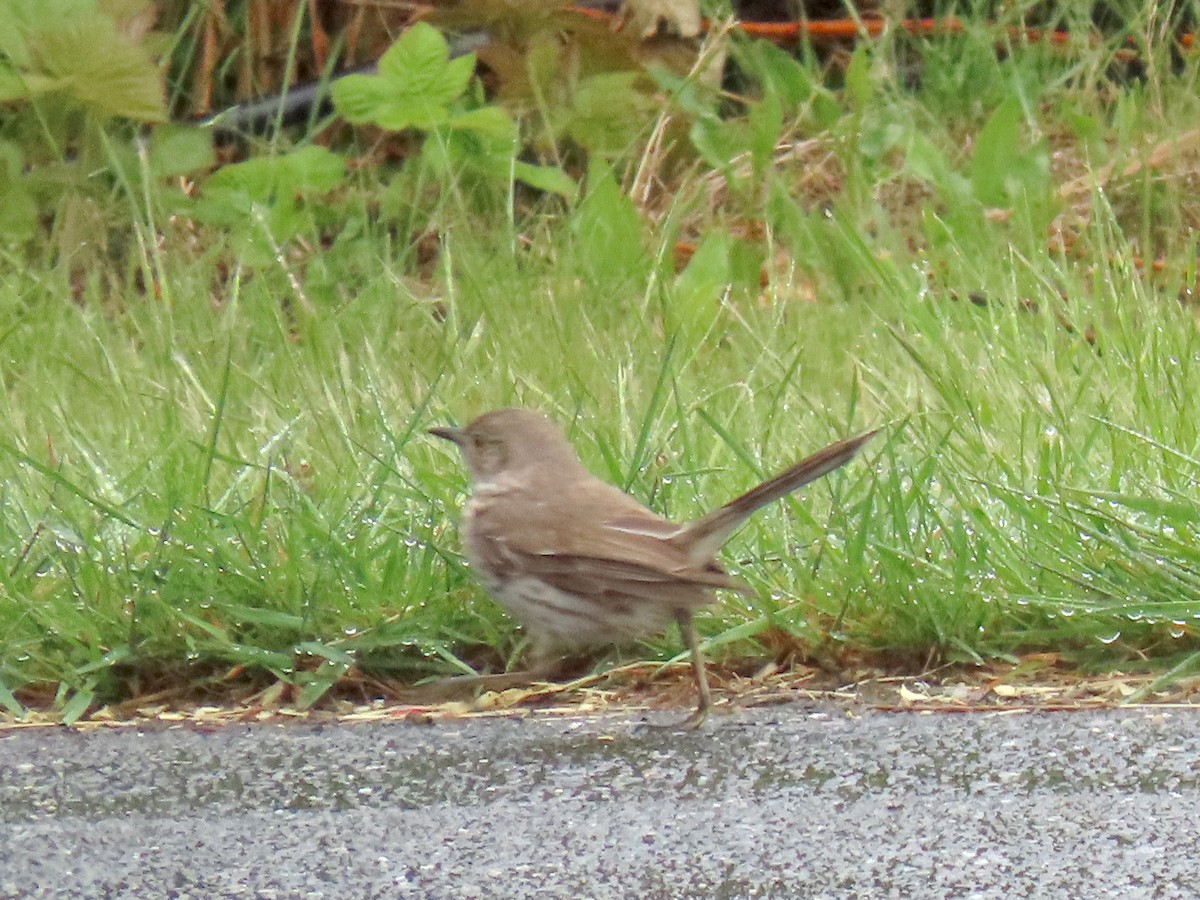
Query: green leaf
{"x": 273, "y": 178}
{"x": 1171, "y": 510}
{"x": 72, "y": 47}
{"x": 102, "y": 69}
{"x": 779, "y": 73}
{"x": 1006, "y": 170}
{"x": 928, "y": 162}
{"x": 719, "y": 142}
{"x": 415, "y": 85}
{"x": 314, "y": 169}
{"x": 273, "y": 618}
{"x": 490, "y": 121}
{"x": 765, "y": 123}
{"x": 608, "y": 227}
{"x": 418, "y": 65}
{"x": 18, "y": 207}
{"x": 698, "y": 289}
{"x": 359, "y": 98}
{"x": 9, "y": 701}
{"x": 996, "y": 148}
{"x": 333, "y": 654}
{"x": 608, "y": 112}
{"x": 314, "y": 685}
{"x": 178, "y": 150}
{"x": 687, "y": 94}
{"x": 117, "y": 654}
{"x": 859, "y": 87}
{"x": 77, "y": 706}
{"x": 550, "y": 179}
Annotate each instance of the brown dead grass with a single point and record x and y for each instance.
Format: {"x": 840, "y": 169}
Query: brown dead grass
{"x": 1041, "y": 682}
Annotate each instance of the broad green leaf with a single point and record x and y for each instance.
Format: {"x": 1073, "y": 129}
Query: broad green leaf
{"x": 308, "y": 170}
{"x": 315, "y": 169}
{"x": 415, "y": 85}
{"x": 608, "y": 112}
{"x": 359, "y": 98}
{"x": 859, "y": 87}
{"x": 101, "y": 68}
{"x": 1006, "y": 169}
{"x": 695, "y": 298}
{"x": 178, "y": 150}
{"x": 608, "y": 226}
{"x": 996, "y": 148}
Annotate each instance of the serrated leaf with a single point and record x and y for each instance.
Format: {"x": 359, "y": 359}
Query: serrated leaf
{"x": 102, "y": 69}
{"x": 415, "y": 85}
{"x": 359, "y": 98}
{"x": 308, "y": 170}
{"x": 419, "y": 53}
{"x": 314, "y": 169}
{"x": 457, "y": 76}
{"x": 18, "y": 86}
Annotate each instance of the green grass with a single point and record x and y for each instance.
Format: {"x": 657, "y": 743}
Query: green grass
{"x": 236, "y": 472}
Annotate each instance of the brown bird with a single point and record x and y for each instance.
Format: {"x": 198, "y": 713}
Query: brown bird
{"x": 578, "y": 561}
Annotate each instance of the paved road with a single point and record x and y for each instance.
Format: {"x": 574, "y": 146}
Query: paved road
{"x": 794, "y": 801}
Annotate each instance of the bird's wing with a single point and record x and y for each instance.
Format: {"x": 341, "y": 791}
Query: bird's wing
{"x": 622, "y": 554}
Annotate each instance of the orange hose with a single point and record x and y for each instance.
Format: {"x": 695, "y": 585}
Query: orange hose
{"x": 824, "y": 30}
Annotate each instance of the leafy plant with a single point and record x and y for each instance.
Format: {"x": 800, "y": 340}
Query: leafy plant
{"x": 73, "y": 74}
{"x": 262, "y": 201}
{"x": 419, "y": 87}
{"x": 76, "y": 49}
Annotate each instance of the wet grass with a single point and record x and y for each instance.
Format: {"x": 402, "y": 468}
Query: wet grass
{"x": 233, "y": 476}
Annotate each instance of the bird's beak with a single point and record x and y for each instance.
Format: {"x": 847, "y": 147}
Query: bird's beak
{"x": 454, "y": 435}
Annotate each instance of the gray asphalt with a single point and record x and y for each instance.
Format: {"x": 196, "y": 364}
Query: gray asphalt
{"x": 792, "y": 801}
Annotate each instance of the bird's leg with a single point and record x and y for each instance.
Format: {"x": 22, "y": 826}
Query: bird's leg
{"x": 687, "y": 631}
